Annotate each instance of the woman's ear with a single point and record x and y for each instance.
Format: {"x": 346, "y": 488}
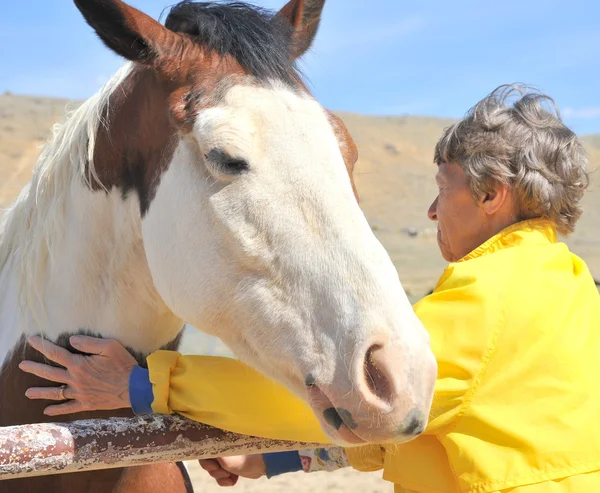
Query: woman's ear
{"x": 495, "y": 199}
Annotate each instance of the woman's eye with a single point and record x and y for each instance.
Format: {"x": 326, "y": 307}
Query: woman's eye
{"x": 226, "y": 163}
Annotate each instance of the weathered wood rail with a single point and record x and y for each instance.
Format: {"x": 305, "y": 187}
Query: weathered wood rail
{"x": 56, "y": 448}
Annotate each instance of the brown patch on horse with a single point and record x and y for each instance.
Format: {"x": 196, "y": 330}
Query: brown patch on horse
{"x": 146, "y": 118}
{"x": 147, "y": 115}
{"x": 16, "y": 409}
{"x": 164, "y": 477}
{"x": 135, "y": 148}
{"x": 347, "y": 148}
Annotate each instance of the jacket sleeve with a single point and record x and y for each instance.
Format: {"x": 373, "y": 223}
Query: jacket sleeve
{"x": 228, "y": 394}
{"x": 367, "y": 458}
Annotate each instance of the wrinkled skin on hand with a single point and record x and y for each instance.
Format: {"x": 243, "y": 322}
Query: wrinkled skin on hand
{"x": 98, "y": 380}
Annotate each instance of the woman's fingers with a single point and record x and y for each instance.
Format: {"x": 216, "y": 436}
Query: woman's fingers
{"x": 93, "y": 345}
{"x": 227, "y": 482}
{"x": 52, "y": 351}
{"x": 220, "y": 474}
{"x": 223, "y": 477}
{"x": 214, "y": 469}
{"x": 48, "y": 393}
{"x": 44, "y": 371}
{"x": 210, "y": 465}
{"x": 96, "y": 381}
{"x": 70, "y": 407}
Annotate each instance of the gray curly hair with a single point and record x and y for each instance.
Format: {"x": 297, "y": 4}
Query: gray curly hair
{"x": 515, "y": 136}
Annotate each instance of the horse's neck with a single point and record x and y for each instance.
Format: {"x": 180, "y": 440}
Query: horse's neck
{"x": 93, "y": 276}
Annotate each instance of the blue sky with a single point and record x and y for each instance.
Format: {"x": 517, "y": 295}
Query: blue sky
{"x": 386, "y": 57}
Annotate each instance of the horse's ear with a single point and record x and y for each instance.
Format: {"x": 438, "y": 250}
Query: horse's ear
{"x": 125, "y": 30}
{"x": 305, "y": 17}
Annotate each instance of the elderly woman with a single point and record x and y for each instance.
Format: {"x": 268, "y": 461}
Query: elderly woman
{"x": 514, "y": 323}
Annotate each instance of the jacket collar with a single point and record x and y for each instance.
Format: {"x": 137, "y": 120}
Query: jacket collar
{"x": 529, "y": 232}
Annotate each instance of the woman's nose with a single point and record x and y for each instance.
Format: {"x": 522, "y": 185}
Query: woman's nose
{"x": 432, "y": 212}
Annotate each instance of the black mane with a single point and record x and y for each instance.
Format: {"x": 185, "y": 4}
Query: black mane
{"x": 260, "y": 42}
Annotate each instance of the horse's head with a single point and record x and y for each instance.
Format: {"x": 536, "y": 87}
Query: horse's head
{"x": 250, "y": 225}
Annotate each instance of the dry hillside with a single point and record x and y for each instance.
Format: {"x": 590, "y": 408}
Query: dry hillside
{"x": 394, "y": 177}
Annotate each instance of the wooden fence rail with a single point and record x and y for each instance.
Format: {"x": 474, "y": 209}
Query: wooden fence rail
{"x": 42, "y": 449}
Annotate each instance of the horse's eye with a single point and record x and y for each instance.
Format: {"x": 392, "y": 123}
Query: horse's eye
{"x": 235, "y": 166}
{"x": 226, "y": 163}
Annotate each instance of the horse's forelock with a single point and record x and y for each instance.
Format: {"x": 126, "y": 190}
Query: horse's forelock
{"x": 260, "y": 42}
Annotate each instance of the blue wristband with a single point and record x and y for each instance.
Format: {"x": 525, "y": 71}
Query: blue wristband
{"x": 281, "y": 462}
{"x": 140, "y": 391}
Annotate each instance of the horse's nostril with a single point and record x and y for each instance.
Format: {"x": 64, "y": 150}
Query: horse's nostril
{"x": 414, "y": 424}
{"x": 337, "y": 417}
{"x": 375, "y": 377}
{"x": 333, "y": 418}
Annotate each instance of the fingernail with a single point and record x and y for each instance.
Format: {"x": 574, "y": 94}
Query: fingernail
{"x": 33, "y": 340}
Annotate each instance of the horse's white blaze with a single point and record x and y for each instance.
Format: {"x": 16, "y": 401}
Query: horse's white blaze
{"x": 279, "y": 262}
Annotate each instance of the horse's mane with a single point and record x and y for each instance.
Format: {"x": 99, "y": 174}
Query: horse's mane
{"x": 29, "y": 227}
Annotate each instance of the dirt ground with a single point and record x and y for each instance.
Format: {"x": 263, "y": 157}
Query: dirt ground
{"x": 342, "y": 481}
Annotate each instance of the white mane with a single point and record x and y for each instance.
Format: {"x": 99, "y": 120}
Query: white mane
{"x": 28, "y": 228}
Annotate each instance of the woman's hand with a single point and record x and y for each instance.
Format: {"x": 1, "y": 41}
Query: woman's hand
{"x": 96, "y": 382}
{"x": 227, "y": 470}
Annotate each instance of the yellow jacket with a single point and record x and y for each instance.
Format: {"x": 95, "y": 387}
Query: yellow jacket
{"x": 515, "y": 327}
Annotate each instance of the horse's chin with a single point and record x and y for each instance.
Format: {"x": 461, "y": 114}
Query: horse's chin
{"x": 346, "y": 437}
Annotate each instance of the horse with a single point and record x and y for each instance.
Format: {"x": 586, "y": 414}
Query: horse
{"x": 204, "y": 184}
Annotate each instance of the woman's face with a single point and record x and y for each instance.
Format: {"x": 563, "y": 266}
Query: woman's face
{"x": 462, "y": 221}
